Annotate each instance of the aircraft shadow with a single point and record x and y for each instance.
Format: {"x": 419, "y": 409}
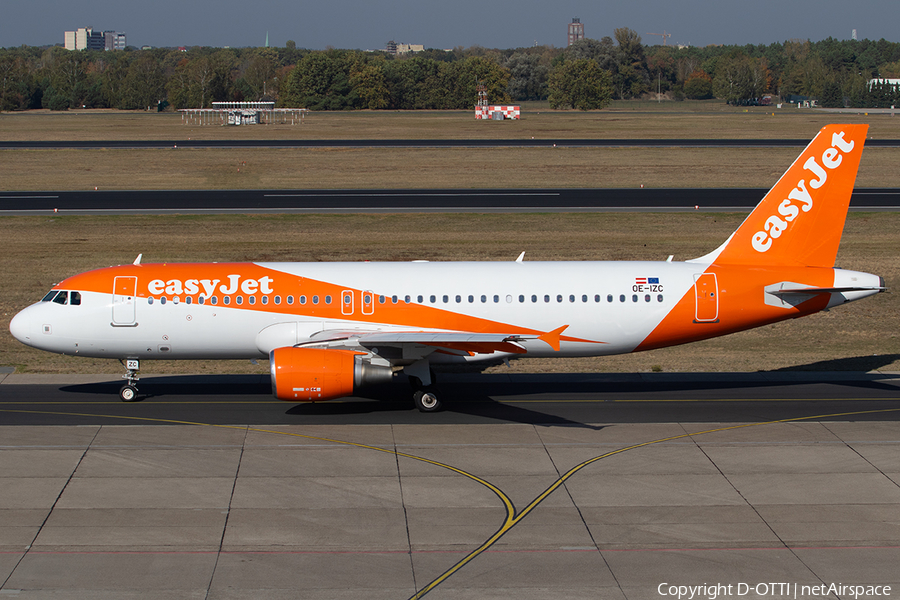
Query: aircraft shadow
{"x": 504, "y": 398}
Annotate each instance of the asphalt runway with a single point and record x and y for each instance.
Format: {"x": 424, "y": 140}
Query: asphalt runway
{"x": 392, "y": 201}
{"x": 564, "y": 399}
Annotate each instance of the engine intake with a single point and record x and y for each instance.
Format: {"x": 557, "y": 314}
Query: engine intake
{"x": 311, "y": 374}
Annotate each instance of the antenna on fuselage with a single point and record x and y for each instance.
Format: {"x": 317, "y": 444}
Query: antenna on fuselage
{"x": 521, "y": 257}
{"x": 137, "y": 261}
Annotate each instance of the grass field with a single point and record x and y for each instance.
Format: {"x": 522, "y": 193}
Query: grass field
{"x": 326, "y": 168}
{"x": 39, "y": 251}
{"x": 643, "y": 120}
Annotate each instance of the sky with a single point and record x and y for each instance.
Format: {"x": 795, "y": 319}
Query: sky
{"x": 370, "y": 24}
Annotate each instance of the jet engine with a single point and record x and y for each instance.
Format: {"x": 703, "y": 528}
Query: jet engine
{"x": 311, "y": 374}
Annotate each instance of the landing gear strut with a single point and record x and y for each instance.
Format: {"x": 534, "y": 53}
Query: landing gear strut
{"x": 129, "y": 391}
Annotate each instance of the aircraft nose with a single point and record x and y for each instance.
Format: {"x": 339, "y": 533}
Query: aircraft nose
{"x": 20, "y": 327}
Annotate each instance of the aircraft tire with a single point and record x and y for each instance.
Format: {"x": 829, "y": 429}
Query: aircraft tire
{"x": 426, "y": 401}
{"x": 128, "y": 393}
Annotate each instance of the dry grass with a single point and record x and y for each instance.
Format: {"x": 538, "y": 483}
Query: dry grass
{"x": 426, "y": 168}
{"x": 849, "y": 335}
{"x": 644, "y": 120}
{"x": 408, "y": 168}
{"x": 39, "y": 251}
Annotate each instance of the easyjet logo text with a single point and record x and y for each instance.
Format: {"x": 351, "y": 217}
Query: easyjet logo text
{"x": 209, "y": 287}
{"x": 800, "y": 199}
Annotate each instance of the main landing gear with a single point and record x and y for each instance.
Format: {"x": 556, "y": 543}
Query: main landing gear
{"x": 129, "y": 391}
{"x": 425, "y": 397}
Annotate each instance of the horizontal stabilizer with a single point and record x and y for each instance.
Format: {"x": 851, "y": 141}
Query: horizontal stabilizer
{"x": 831, "y": 290}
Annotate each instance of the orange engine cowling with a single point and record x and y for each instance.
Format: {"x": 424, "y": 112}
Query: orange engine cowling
{"x": 311, "y": 374}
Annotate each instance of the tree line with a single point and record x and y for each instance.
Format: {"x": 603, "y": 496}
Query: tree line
{"x": 586, "y": 75}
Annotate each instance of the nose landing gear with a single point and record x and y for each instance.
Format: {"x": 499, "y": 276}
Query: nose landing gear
{"x": 129, "y": 391}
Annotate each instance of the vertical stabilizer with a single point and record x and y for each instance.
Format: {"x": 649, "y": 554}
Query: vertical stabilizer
{"x": 800, "y": 220}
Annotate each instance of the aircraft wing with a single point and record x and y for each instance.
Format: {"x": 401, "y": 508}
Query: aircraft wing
{"x": 414, "y": 345}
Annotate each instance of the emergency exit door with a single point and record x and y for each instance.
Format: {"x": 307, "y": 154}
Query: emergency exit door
{"x": 706, "y": 290}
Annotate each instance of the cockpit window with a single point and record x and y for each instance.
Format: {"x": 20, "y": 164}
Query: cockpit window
{"x": 70, "y": 298}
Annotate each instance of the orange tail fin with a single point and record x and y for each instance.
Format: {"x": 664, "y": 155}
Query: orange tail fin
{"x": 800, "y": 220}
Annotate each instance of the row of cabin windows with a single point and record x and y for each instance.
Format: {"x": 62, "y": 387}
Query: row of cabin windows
{"x": 226, "y": 300}
{"x": 367, "y": 299}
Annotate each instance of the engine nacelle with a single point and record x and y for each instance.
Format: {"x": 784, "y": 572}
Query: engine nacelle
{"x": 311, "y": 374}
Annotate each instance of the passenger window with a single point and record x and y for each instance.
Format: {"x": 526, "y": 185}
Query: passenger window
{"x": 659, "y": 298}
{"x": 240, "y": 300}
{"x": 534, "y": 297}
{"x": 150, "y": 300}
{"x": 75, "y": 299}
{"x": 559, "y": 297}
{"x": 458, "y": 298}
{"x": 367, "y": 299}
{"x": 420, "y": 299}
{"x": 62, "y": 298}
{"x": 327, "y": 300}
{"x": 634, "y": 298}
{"x": 214, "y": 300}
{"x": 521, "y": 298}
{"x": 647, "y": 298}
{"x": 226, "y": 300}
{"x": 445, "y": 298}
{"x": 432, "y": 298}
{"x": 394, "y": 299}
{"x": 496, "y": 298}
{"x": 471, "y": 298}
{"x": 609, "y": 298}
{"x": 250, "y": 299}
{"x": 546, "y": 297}
{"x": 380, "y": 299}
{"x": 176, "y": 300}
{"x": 315, "y": 299}
{"x": 163, "y": 300}
{"x": 190, "y": 300}
{"x": 407, "y": 298}
{"x": 202, "y": 300}
{"x": 265, "y": 299}
{"x": 302, "y": 299}
{"x": 483, "y": 298}
{"x": 290, "y": 299}
{"x": 622, "y": 298}
{"x": 571, "y": 297}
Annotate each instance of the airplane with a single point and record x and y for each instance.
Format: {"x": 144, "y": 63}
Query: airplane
{"x": 330, "y": 329}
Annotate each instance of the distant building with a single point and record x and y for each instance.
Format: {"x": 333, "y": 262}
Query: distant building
{"x": 114, "y": 40}
{"x": 85, "y": 38}
{"x": 576, "y": 31}
{"x": 394, "y": 48}
{"x": 407, "y": 48}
